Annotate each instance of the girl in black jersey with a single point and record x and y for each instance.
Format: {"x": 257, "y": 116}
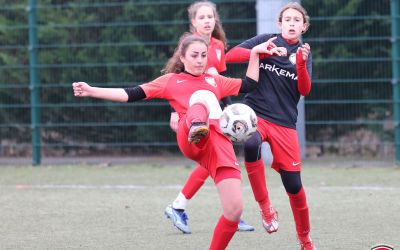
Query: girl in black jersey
{"x": 283, "y": 80}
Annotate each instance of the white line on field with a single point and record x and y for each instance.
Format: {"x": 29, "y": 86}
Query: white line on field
{"x": 178, "y": 187}
{"x": 362, "y": 188}
{"x": 62, "y": 186}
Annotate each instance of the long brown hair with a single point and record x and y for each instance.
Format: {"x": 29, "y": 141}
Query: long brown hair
{"x": 174, "y": 64}
{"x": 299, "y": 8}
{"x": 218, "y": 31}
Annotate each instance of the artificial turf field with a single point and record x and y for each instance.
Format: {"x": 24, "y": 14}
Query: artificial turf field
{"x": 120, "y": 206}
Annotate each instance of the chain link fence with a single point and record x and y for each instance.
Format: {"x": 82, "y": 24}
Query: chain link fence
{"x": 348, "y": 114}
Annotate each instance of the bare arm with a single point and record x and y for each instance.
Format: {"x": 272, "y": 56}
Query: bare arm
{"x": 82, "y": 89}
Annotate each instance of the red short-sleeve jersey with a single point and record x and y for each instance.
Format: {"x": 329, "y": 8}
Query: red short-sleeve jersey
{"x": 216, "y": 55}
{"x": 217, "y": 150}
{"x": 178, "y": 88}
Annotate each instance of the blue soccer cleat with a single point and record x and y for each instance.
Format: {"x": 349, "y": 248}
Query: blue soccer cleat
{"x": 244, "y": 227}
{"x": 178, "y": 218}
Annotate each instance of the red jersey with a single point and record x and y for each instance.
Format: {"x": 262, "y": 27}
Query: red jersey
{"x": 178, "y": 88}
{"x": 216, "y": 55}
{"x": 217, "y": 150}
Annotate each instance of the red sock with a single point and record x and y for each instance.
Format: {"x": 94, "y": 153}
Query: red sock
{"x": 198, "y": 112}
{"x": 195, "y": 181}
{"x": 256, "y": 173}
{"x": 223, "y": 233}
{"x": 298, "y": 202}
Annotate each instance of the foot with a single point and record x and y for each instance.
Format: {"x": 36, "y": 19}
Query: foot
{"x": 270, "y": 220}
{"x": 306, "y": 243}
{"x": 198, "y": 130}
{"x": 244, "y": 227}
{"x": 178, "y": 218}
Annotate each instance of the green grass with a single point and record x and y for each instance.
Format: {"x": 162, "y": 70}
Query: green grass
{"x": 121, "y": 207}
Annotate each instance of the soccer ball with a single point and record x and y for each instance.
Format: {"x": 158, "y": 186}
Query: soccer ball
{"x": 238, "y": 122}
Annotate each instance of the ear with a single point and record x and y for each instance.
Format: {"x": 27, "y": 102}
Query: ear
{"x": 305, "y": 26}
{"x": 193, "y": 22}
{"x": 280, "y": 25}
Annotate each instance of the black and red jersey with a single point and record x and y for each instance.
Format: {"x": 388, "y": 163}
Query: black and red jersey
{"x": 277, "y": 96}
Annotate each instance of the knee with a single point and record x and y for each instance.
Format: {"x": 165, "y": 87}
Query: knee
{"x": 253, "y": 143}
{"x": 293, "y": 188}
{"x": 234, "y": 211}
{"x": 291, "y": 181}
{"x": 252, "y": 148}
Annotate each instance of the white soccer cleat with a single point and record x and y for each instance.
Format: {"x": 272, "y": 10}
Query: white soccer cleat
{"x": 244, "y": 227}
{"x": 270, "y": 220}
{"x": 178, "y": 218}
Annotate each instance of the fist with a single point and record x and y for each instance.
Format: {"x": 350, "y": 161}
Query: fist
{"x": 81, "y": 89}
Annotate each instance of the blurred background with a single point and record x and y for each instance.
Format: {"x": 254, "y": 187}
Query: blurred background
{"x": 45, "y": 45}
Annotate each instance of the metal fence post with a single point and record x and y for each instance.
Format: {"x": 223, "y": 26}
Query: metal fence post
{"x": 34, "y": 83}
{"x": 394, "y": 10}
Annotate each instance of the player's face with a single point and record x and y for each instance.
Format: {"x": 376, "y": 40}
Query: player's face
{"x": 204, "y": 21}
{"x": 292, "y": 24}
{"x": 195, "y": 59}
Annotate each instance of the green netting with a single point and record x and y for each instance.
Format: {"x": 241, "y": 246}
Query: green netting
{"x": 123, "y": 43}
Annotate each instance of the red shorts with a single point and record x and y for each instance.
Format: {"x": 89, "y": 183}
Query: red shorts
{"x": 284, "y": 144}
{"x": 226, "y": 173}
{"x": 215, "y": 151}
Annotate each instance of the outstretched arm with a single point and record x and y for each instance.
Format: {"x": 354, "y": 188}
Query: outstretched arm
{"x": 132, "y": 94}
{"x": 240, "y": 54}
{"x": 233, "y": 86}
{"x": 82, "y": 89}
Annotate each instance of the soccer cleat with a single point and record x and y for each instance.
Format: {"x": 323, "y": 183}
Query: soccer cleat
{"x": 307, "y": 244}
{"x": 270, "y": 220}
{"x": 178, "y": 218}
{"x": 244, "y": 227}
{"x": 198, "y": 130}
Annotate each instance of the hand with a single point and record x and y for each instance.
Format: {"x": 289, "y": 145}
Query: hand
{"x": 265, "y": 47}
{"x": 279, "y": 51}
{"x": 270, "y": 43}
{"x": 81, "y": 89}
{"x": 173, "y": 121}
{"x": 303, "y": 52}
{"x": 270, "y": 48}
{"x": 275, "y": 50}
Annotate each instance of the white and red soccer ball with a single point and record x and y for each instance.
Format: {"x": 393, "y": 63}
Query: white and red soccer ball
{"x": 238, "y": 122}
